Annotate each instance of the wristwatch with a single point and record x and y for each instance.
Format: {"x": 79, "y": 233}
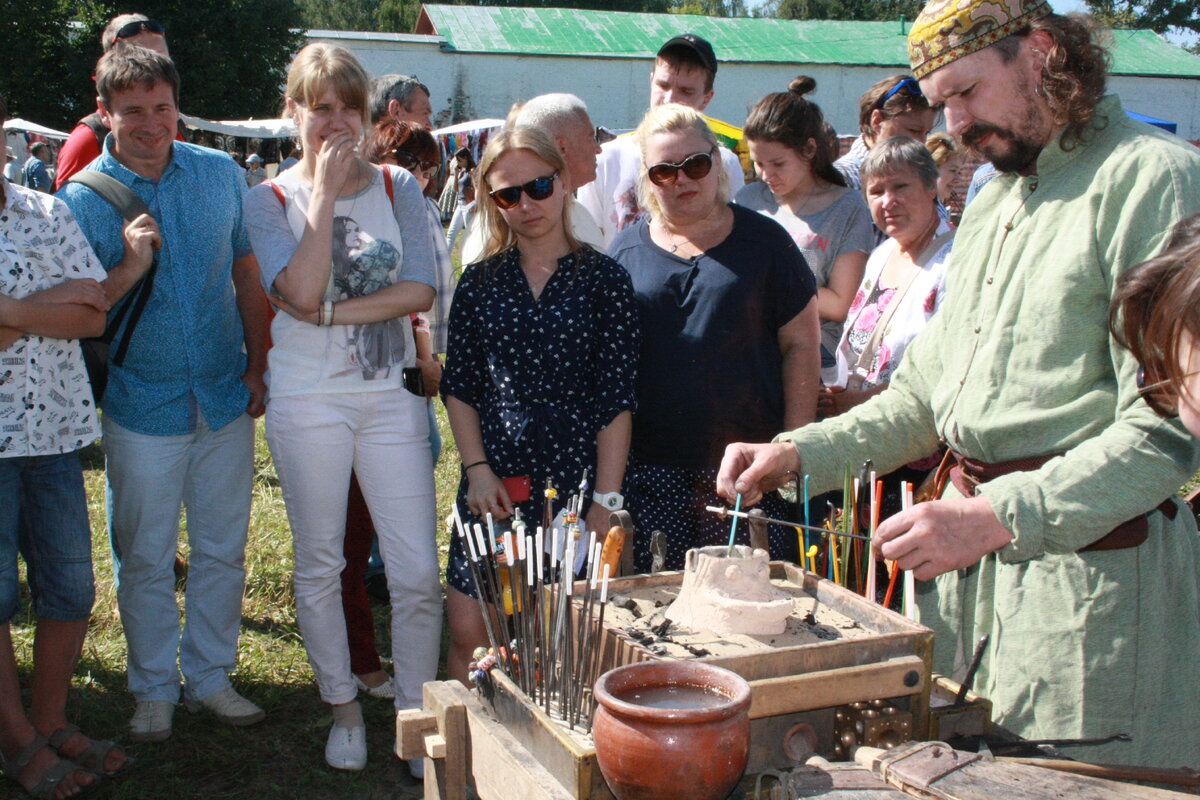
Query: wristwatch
{"x": 613, "y": 501}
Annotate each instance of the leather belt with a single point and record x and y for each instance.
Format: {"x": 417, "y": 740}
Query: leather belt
{"x": 968, "y": 473}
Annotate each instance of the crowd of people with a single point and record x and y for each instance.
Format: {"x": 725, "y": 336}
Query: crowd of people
{"x": 635, "y": 314}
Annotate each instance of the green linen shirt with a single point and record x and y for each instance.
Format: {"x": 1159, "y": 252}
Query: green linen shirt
{"x": 1018, "y": 362}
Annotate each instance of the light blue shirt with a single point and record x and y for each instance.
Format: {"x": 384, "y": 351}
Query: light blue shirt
{"x": 186, "y": 354}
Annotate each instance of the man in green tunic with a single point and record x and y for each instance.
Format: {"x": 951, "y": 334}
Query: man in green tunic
{"x": 1058, "y": 455}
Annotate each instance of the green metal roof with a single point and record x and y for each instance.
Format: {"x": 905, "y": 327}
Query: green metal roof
{"x": 613, "y": 34}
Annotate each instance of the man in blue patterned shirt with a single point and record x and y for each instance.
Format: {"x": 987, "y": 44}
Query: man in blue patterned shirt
{"x": 178, "y": 414}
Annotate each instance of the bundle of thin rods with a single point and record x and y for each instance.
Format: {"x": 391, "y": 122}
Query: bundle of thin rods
{"x": 552, "y": 655}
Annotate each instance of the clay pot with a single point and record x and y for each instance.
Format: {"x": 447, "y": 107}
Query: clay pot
{"x": 661, "y": 752}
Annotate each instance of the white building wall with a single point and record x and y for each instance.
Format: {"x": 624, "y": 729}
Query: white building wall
{"x": 616, "y": 90}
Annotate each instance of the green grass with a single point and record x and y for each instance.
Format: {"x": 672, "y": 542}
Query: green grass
{"x": 283, "y": 756}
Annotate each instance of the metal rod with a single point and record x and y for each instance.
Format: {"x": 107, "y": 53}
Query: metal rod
{"x": 722, "y": 511}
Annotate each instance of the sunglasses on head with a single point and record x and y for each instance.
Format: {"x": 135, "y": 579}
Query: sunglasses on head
{"x": 914, "y": 88}
{"x": 131, "y": 29}
{"x": 695, "y": 166}
{"x": 537, "y": 189}
{"x": 412, "y": 163}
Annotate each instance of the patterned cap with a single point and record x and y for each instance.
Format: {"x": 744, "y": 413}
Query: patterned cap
{"x": 947, "y": 30}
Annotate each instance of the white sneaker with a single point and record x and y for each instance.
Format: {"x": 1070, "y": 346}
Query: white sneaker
{"x": 151, "y": 721}
{"x": 229, "y": 707}
{"x": 384, "y": 691}
{"x": 346, "y": 748}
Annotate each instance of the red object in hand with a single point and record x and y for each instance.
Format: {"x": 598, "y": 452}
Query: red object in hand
{"x": 518, "y": 488}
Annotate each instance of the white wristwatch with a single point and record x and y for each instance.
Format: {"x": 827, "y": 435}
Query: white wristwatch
{"x": 613, "y": 501}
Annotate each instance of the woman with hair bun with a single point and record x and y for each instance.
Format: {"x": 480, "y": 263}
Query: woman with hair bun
{"x": 800, "y": 189}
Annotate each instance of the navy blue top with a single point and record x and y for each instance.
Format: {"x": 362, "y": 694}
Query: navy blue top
{"x": 544, "y": 375}
{"x": 710, "y": 371}
{"x": 186, "y": 353}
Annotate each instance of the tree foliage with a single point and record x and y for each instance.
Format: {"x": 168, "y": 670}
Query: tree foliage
{"x": 232, "y": 55}
{"x": 860, "y": 10}
{"x": 1159, "y": 16}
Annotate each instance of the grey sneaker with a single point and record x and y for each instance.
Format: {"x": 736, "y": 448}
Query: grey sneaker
{"x": 229, "y": 707}
{"x": 151, "y": 721}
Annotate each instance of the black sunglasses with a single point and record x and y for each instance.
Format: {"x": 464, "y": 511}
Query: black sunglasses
{"x": 914, "y": 88}
{"x": 695, "y": 166}
{"x": 537, "y": 189}
{"x": 130, "y": 29}
{"x": 411, "y": 162}
{"x": 1157, "y": 393}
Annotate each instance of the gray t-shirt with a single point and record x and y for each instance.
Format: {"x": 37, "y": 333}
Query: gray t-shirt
{"x": 843, "y": 226}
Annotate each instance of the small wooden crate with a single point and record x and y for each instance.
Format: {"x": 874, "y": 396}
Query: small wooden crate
{"x": 805, "y": 683}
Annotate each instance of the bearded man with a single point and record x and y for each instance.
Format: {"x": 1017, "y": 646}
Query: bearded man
{"x": 1060, "y": 535}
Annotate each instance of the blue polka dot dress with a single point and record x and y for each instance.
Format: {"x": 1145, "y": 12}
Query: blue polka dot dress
{"x": 544, "y": 375}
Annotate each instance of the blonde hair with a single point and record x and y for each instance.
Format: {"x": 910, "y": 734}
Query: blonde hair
{"x": 320, "y": 67}
{"x": 499, "y": 236}
{"x": 942, "y": 147}
{"x": 670, "y": 118}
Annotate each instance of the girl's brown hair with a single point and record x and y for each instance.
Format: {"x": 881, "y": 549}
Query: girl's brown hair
{"x": 1159, "y": 300}
{"x": 390, "y": 134}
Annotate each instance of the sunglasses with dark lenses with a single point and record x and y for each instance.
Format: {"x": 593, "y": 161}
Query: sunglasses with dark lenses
{"x": 537, "y": 189}
{"x": 131, "y": 29}
{"x": 914, "y": 88}
{"x": 1157, "y": 393}
{"x": 412, "y": 163}
{"x": 695, "y": 166}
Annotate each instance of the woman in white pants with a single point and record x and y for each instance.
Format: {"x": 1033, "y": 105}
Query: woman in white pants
{"x": 344, "y": 249}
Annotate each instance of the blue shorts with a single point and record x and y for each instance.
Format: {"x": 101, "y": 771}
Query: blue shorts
{"x": 45, "y": 519}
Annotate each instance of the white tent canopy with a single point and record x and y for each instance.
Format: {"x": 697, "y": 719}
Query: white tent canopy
{"x": 467, "y": 127}
{"x": 32, "y": 127}
{"x": 251, "y": 128}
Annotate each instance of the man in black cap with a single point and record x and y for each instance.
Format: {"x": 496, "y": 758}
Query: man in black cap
{"x": 683, "y": 73}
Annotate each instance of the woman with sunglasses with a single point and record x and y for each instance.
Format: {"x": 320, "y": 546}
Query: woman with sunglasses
{"x": 330, "y": 411}
{"x": 730, "y": 337}
{"x": 799, "y": 188}
{"x": 539, "y": 381}
{"x": 893, "y": 106}
{"x": 1156, "y": 315}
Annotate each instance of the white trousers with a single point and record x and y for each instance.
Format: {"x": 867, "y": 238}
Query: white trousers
{"x": 316, "y": 440}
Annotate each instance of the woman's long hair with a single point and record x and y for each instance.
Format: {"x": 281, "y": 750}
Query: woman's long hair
{"x": 499, "y": 236}
{"x": 1157, "y": 301}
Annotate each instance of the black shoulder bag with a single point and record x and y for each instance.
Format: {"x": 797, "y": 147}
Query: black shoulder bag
{"x": 96, "y": 350}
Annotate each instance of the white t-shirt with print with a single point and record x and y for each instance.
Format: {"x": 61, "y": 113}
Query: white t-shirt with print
{"x": 46, "y": 404}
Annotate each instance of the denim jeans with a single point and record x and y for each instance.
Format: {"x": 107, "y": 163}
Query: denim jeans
{"x": 209, "y": 473}
{"x": 43, "y": 514}
{"x": 383, "y": 436}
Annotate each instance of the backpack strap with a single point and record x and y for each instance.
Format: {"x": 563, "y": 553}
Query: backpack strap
{"x": 278, "y": 193}
{"x": 120, "y": 196}
{"x": 97, "y": 128}
{"x": 387, "y": 185}
{"x": 130, "y": 207}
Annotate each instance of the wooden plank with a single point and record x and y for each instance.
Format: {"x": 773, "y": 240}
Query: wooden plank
{"x": 411, "y": 726}
{"x": 934, "y": 770}
{"x": 1020, "y": 781}
{"x": 446, "y": 778}
{"x": 501, "y": 768}
{"x": 895, "y": 677}
{"x": 569, "y": 756}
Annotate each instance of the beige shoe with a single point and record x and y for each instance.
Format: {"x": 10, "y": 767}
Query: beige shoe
{"x": 229, "y": 707}
{"x": 151, "y": 721}
{"x": 384, "y": 691}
